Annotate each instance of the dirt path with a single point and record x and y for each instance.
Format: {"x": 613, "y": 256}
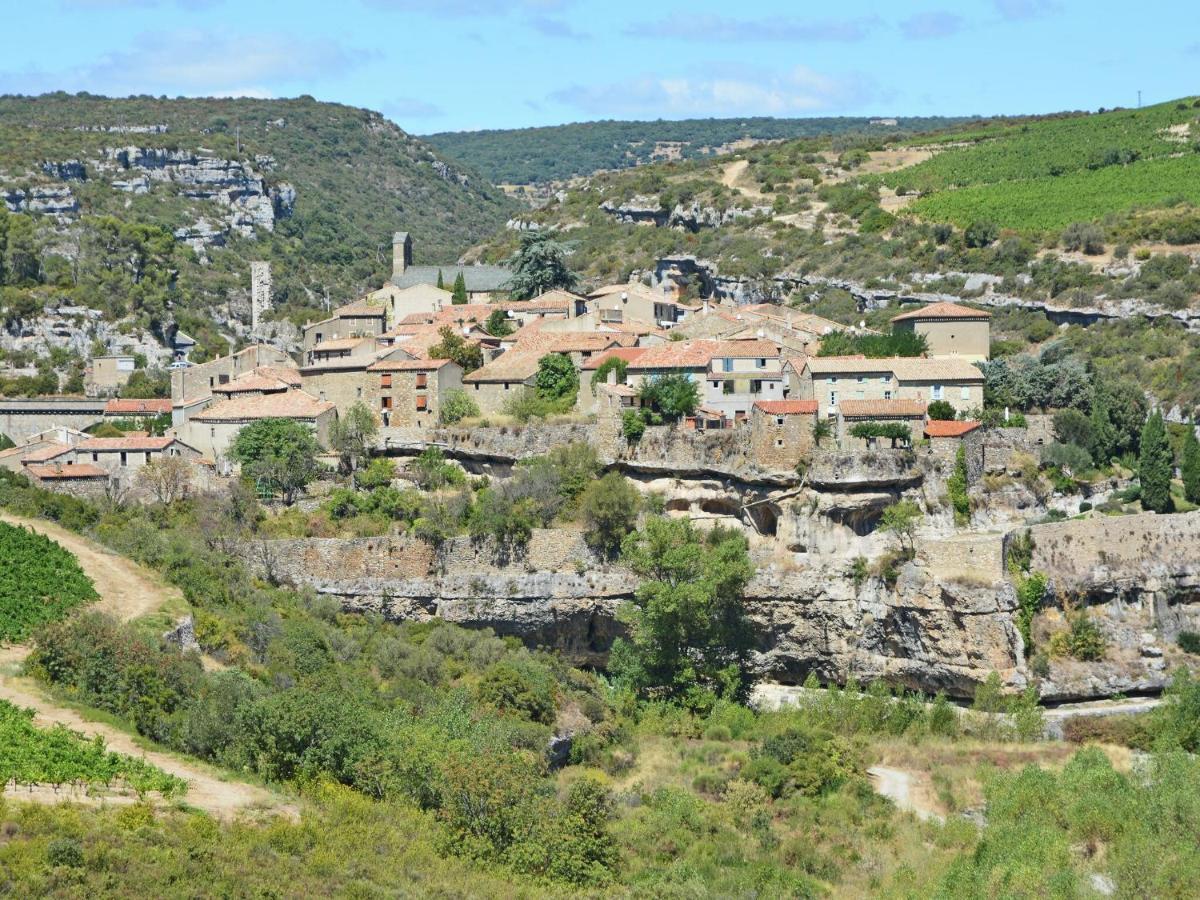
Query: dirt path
{"x": 127, "y": 591}
{"x": 898, "y": 786}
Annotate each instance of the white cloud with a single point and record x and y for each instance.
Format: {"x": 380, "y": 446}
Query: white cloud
{"x": 691, "y": 27}
{"x": 931, "y": 25}
{"x": 799, "y": 91}
{"x": 1018, "y": 10}
{"x": 195, "y": 63}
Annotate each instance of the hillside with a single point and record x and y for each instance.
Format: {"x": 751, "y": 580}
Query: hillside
{"x": 202, "y": 186}
{"x": 530, "y": 155}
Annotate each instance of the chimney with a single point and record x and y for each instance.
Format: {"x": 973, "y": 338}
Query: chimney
{"x": 612, "y": 377}
{"x": 401, "y": 252}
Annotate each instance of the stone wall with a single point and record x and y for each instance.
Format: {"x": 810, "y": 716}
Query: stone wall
{"x": 944, "y": 453}
{"x": 512, "y": 442}
{"x": 969, "y": 556}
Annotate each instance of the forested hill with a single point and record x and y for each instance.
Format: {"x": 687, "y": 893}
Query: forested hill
{"x": 316, "y": 188}
{"x": 529, "y": 155}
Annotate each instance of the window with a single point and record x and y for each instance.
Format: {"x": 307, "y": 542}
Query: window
{"x": 358, "y": 393}
{"x": 887, "y": 395}
{"x": 385, "y": 380}
{"x": 727, "y": 387}
{"x": 385, "y": 402}
{"x": 716, "y": 384}
{"x": 506, "y": 385}
{"x": 125, "y": 364}
{"x": 422, "y": 380}
{"x": 966, "y": 393}
{"x": 422, "y": 403}
{"x": 318, "y": 340}
{"x": 147, "y": 456}
{"x": 727, "y": 364}
{"x": 322, "y": 396}
{"x": 779, "y": 420}
{"x": 760, "y": 363}
{"x": 223, "y": 379}
{"x": 833, "y": 398}
{"x": 862, "y": 379}
{"x": 860, "y": 395}
{"x": 755, "y": 386}
{"x": 124, "y": 460}
{"x": 936, "y": 392}
{"x": 833, "y": 379}
{"x": 96, "y": 456}
{"x": 477, "y": 385}
{"x": 778, "y": 442}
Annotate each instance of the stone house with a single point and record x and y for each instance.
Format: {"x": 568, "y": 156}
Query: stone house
{"x": 580, "y": 346}
{"x": 944, "y": 439}
{"x": 127, "y": 454}
{"x": 781, "y": 432}
{"x": 910, "y": 413}
{"x": 588, "y": 399}
{"x": 505, "y": 377}
{"x": 482, "y": 282}
{"x": 192, "y": 387}
{"x": 426, "y": 299}
{"x": 732, "y": 374}
{"x": 411, "y": 391}
{"x": 343, "y": 378}
{"x": 615, "y": 303}
{"x": 108, "y": 374}
{"x": 832, "y": 379}
{"x": 213, "y": 429}
{"x": 84, "y": 480}
{"x": 117, "y": 410}
{"x": 950, "y": 330}
{"x": 363, "y": 318}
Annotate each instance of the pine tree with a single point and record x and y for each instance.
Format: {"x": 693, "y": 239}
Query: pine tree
{"x": 1190, "y": 465}
{"x": 459, "y": 295}
{"x": 441, "y": 284}
{"x": 1103, "y": 441}
{"x": 1154, "y": 465}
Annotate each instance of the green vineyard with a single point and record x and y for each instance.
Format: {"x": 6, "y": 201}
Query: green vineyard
{"x": 39, "y": 582}
{"x": 57, "y": 756}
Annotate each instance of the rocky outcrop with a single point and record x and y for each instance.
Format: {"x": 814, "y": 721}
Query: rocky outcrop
{"x": 645, "y": 210}
{"x": 49, "y": 200}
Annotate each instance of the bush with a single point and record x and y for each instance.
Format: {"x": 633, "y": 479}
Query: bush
{"x": 1083, "y": 640}
{"x": 981, "y": 234}
{"x": 941, "y": 410}
{"x": 1189, "y": 641}
{"x": 39, "y": 582}
{"x": 456, "y": 406}
{"x": 522, "y": 688}
{"x": 633, "y": 426}
{"x": 1084, "y": 236}
{"x": 1069, "y": 457}
{"x": 610, "y": 508}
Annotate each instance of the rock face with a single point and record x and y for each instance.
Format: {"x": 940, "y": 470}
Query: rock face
{"x": 50, "y": 200}
{"x": 644, "y": 210}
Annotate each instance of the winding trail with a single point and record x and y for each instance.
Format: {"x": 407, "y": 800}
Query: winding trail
{"x": 897, "y": 786}
{"x": 127, "y": 591}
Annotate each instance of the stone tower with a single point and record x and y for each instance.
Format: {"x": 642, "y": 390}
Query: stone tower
{"x": 260, "y": 292}
{"x": 401, "y": 252}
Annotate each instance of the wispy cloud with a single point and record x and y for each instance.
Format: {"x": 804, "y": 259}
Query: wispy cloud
{"x": 690, "y": 27}
{"x": 412, "y": 108}
{"x": 800, "y": 90}
{"x": 935, "y": 24}
{"x": 556, "y": 28}
{"x": 1018, "y": 10}
{"x": 459, "y": 8}
{"x": 195, "y": 63}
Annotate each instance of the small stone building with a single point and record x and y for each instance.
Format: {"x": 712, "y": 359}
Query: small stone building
{"x": 411, "y": 391}
{"x": 83, "y": 480}
{"x": 946, "y": 437}
{"x": 781, "y": 432}
{"x": 108, "y": 374}
{"x": 505, "y": 377}
{"x": 950, "y": 330}
{"x": 130, "y": 453}
{"x": 910, "y": 413}
{"x": 213, "y": 430}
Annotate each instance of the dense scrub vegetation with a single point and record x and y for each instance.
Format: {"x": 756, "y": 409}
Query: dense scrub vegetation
{"x": 39, "y": 582}
{"x": 421, "y": 750}
{"x": 57, "y": 756}
{"x": 528, "y": 155}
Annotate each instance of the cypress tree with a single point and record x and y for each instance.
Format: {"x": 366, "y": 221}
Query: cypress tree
{"x": 441, "y": 281}
{"x": 1103, "y": 441}
{"x": 1154, "y": 465}
{"x": 1190, "y": 465}
{"x": 459, "y": 295}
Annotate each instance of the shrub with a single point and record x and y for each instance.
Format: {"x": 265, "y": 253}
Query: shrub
{"x": 456, "y": 406}
{"x": 39, "y": 582}
{"x": 610, "y": 508}
{"x": 980, "y": 234}
{"x": 1189, "y": 641}
{"x": 1069, "y": 457}
{"x": 633, "y": 426}
{"x": 941, "y": 410}
{"x": 522, "y": 688}
{"x": 1083, "y": 640}
{"x": 956, "y": 486}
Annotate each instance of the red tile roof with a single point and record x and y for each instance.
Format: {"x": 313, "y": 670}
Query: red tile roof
{"x": 942, "y": 310}
{"x": 287, "y": 405}
{"x": 698, "y": 354}
{"x": 787, "y": 407}
{"x": 940, "y": 428}
{"x": 626, "y": 353}
{"x": 514, "y": 365}
{"x": 103, "y": 445}
{"x": 79, "y": 470}
{"x": 137, "y": 407}
{"x": 43, "y": 453}
{"x": 903, "y": 409}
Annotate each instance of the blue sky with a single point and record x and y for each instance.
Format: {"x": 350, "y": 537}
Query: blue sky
{"x": 436, "y": 65}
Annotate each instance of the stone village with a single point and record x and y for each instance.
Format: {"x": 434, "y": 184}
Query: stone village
{"x": 800, "y": 450}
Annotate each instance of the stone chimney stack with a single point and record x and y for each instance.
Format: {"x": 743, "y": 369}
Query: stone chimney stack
{"x": 401, "y": 252}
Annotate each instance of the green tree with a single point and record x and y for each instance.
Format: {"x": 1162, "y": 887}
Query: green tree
{"x": 456, "y": 348}
{"x": 498, "y": 324}
{"x": 689, "y": 635}
{"x": 280, "y": 452}
{"x": 353, "y": 435}
{"x": 672, "y": 396}
{"x": 458, "y": 296}
{"x": 612, "y": 364}
{"x": 557, "y": 381}
{"x": 610, "y": 509}
{"x": 901, "y": 520}
{"x": 1189, "y": 465}
{"x": 1154, "y": 465}
{"x": 456, "y": 406}
{"x": 540, "y": 265}
{"x": 441, "y": 282}
{"x": 956, "y": 486}
{"x": 1103, "y": 435}
{"x": 822, "y": 428}
{"x": 941, "y": 410}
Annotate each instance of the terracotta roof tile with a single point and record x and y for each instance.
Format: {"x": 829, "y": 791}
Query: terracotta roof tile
{"x": 78, "y": 470}
{"x": 359, "y": 309}
{"x": 787, "y": 407}
{"x": 407, "y": 365}
{"x": 940, "y": 428}
{"x": 514, "y": 365}
{"x": 129, "y": 407}
{"x": 698, "y": 354}
{"x": 948, "y": 368}
{"x": 857, "y": 409}
{"x": 44, "y": 453}
{"x": 339, "y": 344}
{"x": 626, "y": 353}
{"x": 942, "y": 310}
{"x": 566, "y": 341}
{"x": 287, "y": 405}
